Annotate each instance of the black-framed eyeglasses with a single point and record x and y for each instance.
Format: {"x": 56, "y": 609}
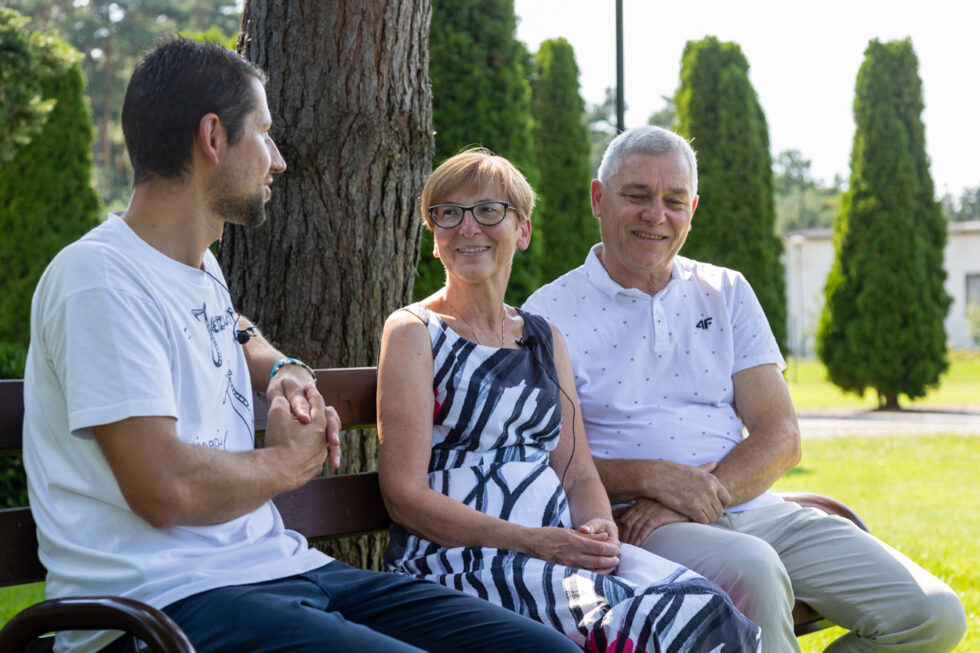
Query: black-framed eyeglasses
{"x": 487, "y": 213}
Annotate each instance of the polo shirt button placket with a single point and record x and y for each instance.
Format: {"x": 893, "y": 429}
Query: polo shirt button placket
{"x": 661, "y": 333}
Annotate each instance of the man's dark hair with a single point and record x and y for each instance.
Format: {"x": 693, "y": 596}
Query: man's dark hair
{"x": 172, "y": 88}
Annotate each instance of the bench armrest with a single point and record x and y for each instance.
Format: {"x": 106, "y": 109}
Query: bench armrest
{"x": 826, "y": 504}
{"x": 152, "y": 626}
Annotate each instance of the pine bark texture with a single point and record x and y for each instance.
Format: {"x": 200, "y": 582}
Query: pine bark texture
{"x": 349, "y": 95}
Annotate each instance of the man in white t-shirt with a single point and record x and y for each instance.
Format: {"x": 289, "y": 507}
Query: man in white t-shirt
{"x": 673, "y": 359}
{"x": 138, "y": 430}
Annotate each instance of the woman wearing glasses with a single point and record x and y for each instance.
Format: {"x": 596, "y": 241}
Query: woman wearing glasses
{"x": 483, "y": 463}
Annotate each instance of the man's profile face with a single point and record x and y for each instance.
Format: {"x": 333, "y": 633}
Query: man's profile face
{"x": 645, "y": 213}
{"x": 242, "y": 184}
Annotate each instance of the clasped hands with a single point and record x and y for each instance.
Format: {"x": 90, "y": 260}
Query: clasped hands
{"x": 686, "y": 494}
{"x": 301, "y": 422}
{"x": 594, "y": 545}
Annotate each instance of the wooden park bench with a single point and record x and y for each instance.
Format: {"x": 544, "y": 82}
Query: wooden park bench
{"x": 333, "y": 506}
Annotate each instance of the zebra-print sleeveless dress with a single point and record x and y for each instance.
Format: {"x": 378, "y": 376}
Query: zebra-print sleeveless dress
{"x": 497, "y": 416}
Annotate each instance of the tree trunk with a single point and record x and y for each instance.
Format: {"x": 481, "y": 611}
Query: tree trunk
{"x": 888, "y": 401}
{"x": 349, "y": 95}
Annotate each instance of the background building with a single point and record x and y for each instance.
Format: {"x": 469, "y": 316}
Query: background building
{"x": 808, "y": 255}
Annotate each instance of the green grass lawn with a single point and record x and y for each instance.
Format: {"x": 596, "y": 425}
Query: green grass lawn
{"x": 810, "y": 389}
{"x": 15, "y": 599}
{"x": 917, "y": 494}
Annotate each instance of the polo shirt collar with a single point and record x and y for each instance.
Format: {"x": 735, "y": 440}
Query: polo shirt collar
{"x": 600, "y": 277}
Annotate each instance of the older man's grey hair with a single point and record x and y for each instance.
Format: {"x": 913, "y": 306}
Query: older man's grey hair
{"x": 648, "y": 139}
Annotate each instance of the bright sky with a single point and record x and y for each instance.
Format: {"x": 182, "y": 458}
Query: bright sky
{"x": 803, "y": 58}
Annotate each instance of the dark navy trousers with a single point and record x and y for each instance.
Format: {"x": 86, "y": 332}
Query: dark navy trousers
{"x": 340, "y": 608}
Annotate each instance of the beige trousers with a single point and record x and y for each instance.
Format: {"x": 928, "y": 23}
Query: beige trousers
{"x": 767, "y": 557}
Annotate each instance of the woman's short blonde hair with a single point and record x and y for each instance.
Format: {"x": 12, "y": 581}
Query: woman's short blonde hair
{"x": 472, "y": 170}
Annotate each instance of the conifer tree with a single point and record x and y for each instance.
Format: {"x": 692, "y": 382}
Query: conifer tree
{"x": 929, "y": 220}
{"x": 735, "y": 222}
{"x": 480, "y": 96}
{"x": 561, "y": 144}
{"x": 112, "y": 35}
{"x": 882, "y": 318}
{"x": 46, "y": 194}
{"x": 24, "y": 59}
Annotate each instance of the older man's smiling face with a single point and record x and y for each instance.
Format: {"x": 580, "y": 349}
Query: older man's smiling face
{"x": 645, "y": 213}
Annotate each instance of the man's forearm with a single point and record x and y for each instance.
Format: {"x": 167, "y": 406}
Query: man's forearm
{"x": 167, "y": 481}
{"x": 758, "y": 461}
{"x": 693, "y": 491}
{"x": 626, "y": 480}
{"x": 260, "y": 355}
{"x": 223, "y": 486}
{"x": 772, "y": 448}
{"x": 747, "y": 471}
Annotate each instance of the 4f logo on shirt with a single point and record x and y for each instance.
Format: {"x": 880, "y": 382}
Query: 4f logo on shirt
{"x": 704, "y": 324}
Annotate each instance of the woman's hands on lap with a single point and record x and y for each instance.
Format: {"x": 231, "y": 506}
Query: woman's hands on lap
{"x": 593, "y": 546}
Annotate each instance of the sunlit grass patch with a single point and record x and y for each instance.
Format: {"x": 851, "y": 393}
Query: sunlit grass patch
{"x": 916, "y": 493}
{"x": 14, "y": 599}
{"x": 810, "y": 389}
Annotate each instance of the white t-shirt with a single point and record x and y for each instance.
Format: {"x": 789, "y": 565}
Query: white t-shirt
{"x": 120, "y": 330}
{"x": 654, "y": 373}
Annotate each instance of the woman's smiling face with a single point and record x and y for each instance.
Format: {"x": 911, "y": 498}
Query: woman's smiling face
{"x": 474, "y": 252}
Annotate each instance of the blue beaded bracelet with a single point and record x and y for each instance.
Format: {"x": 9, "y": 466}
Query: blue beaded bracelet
{"x": 291, "y": 361}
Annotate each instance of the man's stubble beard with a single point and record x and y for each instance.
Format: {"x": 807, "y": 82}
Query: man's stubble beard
{"x": 245, "y": 211}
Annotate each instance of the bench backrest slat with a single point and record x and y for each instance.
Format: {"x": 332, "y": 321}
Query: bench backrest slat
{"x": 11, "y": 414}
{"x": 18, "y": 548}
{"x": 330, "y": 506}
{"x": 351, "y": 391}
{"x": 335, "y": 506}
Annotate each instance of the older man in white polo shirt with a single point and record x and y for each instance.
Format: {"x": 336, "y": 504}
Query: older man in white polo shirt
{"x": 674, "y": 359}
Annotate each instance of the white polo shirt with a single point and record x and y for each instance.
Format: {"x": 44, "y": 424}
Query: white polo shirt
{"x": 654, "y": 373}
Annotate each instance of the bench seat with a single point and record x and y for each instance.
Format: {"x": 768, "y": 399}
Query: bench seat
{"x": 332, "y": 506}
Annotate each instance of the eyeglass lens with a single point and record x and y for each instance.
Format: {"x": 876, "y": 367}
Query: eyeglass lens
{"x": 486, "y": 213}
